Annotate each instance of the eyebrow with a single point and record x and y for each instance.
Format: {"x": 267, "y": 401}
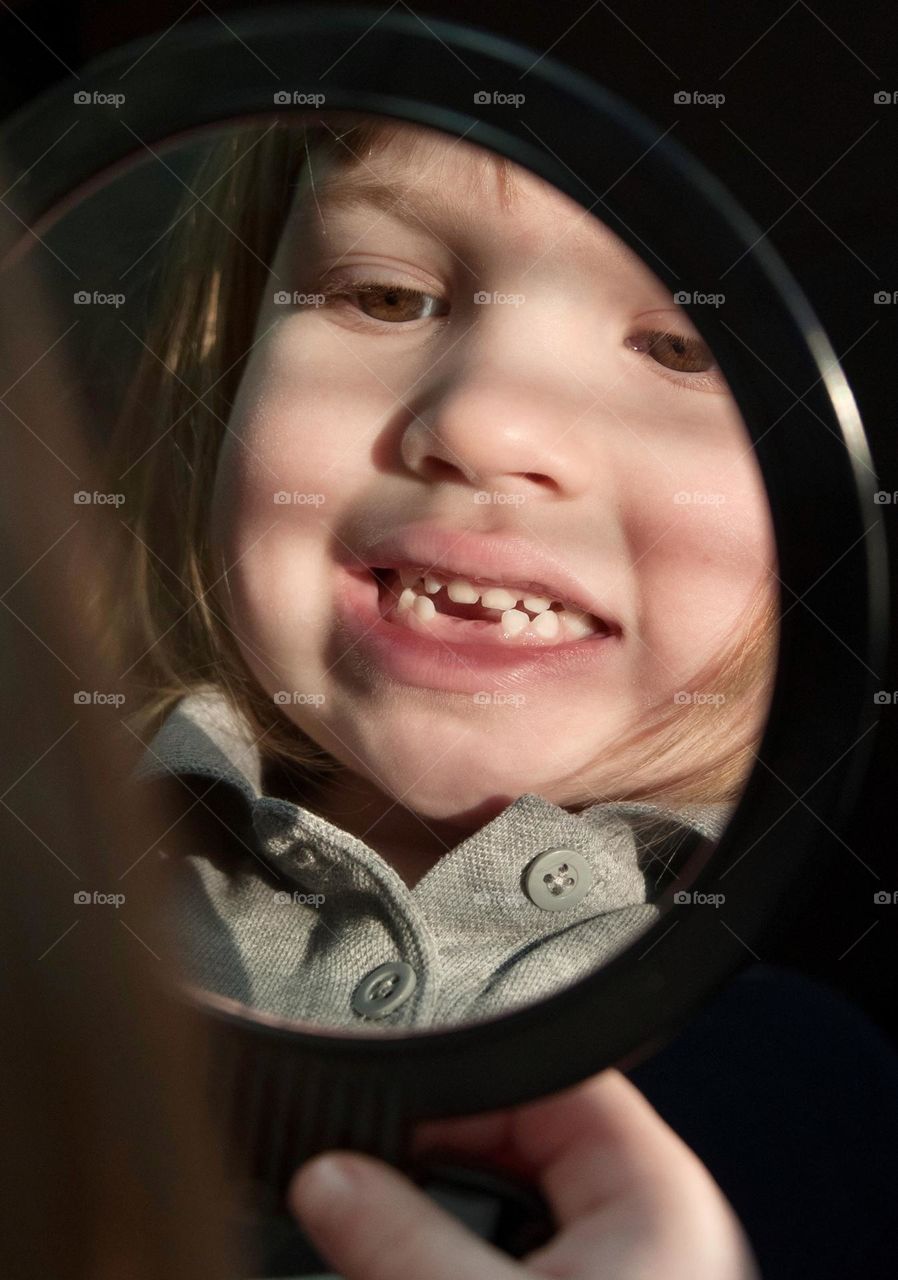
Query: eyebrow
{"x": 348, "y": 189}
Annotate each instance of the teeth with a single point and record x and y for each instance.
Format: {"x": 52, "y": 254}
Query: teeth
{"x": 463, "y": 593}
{"x": 514, "y": 621}
{"x": 549, "y": 624}
{"x": 424, "y": 607}
{"x": 406, "y": 600}
{"x": 546, "y": 625}
{"x": 536, "y": 604}
{"x": 499, "y": 598}
{"x": 578, "y": 624}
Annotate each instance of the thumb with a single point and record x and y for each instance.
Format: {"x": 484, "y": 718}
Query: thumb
{"x": 370, "y": 1222}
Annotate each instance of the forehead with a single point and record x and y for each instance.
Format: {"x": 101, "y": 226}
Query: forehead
{"x": 449, "y": 183}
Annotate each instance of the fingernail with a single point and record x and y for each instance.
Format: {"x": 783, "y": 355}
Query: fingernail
{"x": 324, "y": 1178}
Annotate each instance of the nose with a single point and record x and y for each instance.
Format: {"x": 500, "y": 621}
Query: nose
{"x": 502, "y": 435}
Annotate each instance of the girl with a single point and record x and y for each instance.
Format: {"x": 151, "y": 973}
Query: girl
{"x": 451, "y": 586}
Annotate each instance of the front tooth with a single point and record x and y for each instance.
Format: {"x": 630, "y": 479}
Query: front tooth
{"x": 431, "y": 584}
{"x": 513, "y": 621}
{"x": 424, "y": 607}
{"x": 536, "y": 604}
{"x": 463, "y": 593}
{"x": 578, "y": 624}
{"x": 546, "y": 625}
{"x": 406, "y": 599}
{"x": 498, "y": 598}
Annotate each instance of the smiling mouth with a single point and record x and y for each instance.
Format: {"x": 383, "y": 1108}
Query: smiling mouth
{"x": 440, "y": 605}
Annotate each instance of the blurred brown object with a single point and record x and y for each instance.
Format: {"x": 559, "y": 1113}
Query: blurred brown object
{"x": 111, "y": 1166}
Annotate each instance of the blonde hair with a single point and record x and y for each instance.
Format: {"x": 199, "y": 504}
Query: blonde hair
{"x": 164, "y": 452}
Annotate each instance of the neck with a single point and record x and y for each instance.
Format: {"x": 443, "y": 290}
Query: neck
{"x": 410, "y": 844}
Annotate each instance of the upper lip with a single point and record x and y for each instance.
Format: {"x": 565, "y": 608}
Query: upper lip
{"x": 507, "y": 561}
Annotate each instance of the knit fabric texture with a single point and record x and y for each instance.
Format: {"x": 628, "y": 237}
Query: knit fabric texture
{"x": 295, "y": 913}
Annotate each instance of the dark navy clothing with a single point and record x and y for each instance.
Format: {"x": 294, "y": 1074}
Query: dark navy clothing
{"x": 789, "y": 1096}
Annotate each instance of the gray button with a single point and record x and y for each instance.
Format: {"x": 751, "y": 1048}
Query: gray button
{"x": 558, "y": 879}
{"x": 384, "y": 989}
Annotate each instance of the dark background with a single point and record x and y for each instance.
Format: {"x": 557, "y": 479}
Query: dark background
{"x": 804, "y": 147}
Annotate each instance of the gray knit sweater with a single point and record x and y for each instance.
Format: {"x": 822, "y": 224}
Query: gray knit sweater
{"x": 301, "y": 919}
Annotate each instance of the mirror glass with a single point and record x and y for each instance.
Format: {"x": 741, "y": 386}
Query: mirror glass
{"x": 447, "y": 580}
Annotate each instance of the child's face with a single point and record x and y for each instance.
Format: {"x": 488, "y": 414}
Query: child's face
{"x": 394, "y": 410}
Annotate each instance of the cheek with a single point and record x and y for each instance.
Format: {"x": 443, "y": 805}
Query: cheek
{"x": 702, "y": 551}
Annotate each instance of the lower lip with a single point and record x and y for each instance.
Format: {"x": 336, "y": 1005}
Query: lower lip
{"x": 413, "y": 658}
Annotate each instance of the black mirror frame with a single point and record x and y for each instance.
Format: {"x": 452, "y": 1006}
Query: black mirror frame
{"x": 290, "y": 1092}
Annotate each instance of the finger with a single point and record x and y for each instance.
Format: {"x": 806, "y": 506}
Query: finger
{"x": 599, "y": 1141}
{"x": 371, "y": 1223}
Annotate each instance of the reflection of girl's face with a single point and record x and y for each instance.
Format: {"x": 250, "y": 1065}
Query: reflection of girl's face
{"x": 583, "y": 431}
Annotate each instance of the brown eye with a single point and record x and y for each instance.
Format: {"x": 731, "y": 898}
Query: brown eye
{"x": 393, "y": 304}
{"x": 674, "y": 350}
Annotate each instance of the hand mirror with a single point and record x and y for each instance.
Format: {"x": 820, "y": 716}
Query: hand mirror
{"x": 488, "y": 500}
